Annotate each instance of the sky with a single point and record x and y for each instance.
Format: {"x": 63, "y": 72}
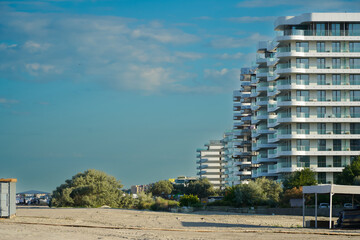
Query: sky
{"x": 128, "y": 87}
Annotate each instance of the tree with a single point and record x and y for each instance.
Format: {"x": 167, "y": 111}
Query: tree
{"x": 305, "y": 177}
{"x": 91, "y": 188}
{"x": 161, "y": 188}
{"x": 201, "y": 188}
{"x": 350, "y": 174}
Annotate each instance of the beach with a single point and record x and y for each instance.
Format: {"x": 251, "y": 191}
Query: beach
{"x": 106, "y": 223}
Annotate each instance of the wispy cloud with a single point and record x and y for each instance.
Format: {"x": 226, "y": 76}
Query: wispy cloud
{"x": 8, "y": 101}
{"x": 227, "y": 56}
{"x": 248, "y": 19}
{"x": 230, "y": 42}
{"x": 189, "y": 55}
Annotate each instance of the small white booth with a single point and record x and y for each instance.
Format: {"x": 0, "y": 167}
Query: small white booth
{"x": 330, "y": 189}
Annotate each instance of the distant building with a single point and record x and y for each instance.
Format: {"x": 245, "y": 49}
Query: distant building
{"x": 184, "y": 180}
{"x": 135, "y": 189}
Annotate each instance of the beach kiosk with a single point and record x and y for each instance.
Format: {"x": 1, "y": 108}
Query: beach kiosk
{"x": 7, "y": 197}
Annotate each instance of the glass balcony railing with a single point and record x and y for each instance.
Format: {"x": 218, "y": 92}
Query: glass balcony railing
{"x": 302, "y": 65}
{"x": 283, "y": 99}
{"x": 302, "y": 115}
{"x": 302, "y": 49}
{"x": 319, "y": 33}
{"x": 284, "y": 131}
{"x": 302, "y": 131}
{"x": 283, "y": 49}
{"x": 284, "y": 115}
{"x": 302, "y": 82}
{"x": 285, "y": 82}
{"x": 303, "y": 148}
{"x": 302, "y": 98}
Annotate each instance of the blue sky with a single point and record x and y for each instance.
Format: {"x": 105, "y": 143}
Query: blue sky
{"x": 129, "y": 87}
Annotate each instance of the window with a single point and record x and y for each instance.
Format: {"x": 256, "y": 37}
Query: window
{"x": 354, "y": 63}
{"x": 354, "y": 79}
{"x": 321, "y": 145}
{"x": 303, "y": 145}
{"x": 302, "y": 63}
{"x": 321, "y": 161}
{"x": 321, "y": 95}
{"x": 303, "y": 161}
{"x": 354, "y": 29}
{"x": 335, "y": 29}
{"x": 337, "y": 161}
{"x": 322, "y": 177}
{"x": 302, "y": 79}
{"x": 336, "y": 144}
{"x": 336, "y": 63}
{"x": 320, "y": 46}
{"x": 302, "y": 95}
{"x": 320, "y": 29}
{"x": 354, "y": 46}
{"x": 302, "y": 112}
{"x": 320, "y": 63}
{"x": 335, "y": 46}
{"x": 336, "y": 95}
{"x": 336, "y": 79}
{"x": 355, "y": 128}
{"x": 354, "y": 144}
{"x": 355, "y": 96}
{"x": 285, "y": 162}
{"x": 321, "y": 79}
{"x": 321, "y": 111}
{"x": 355, "y": 112}
{"x": 302, "y": 47}
{"x": 302, "y": 128}
{"x": 321, "y": 127}
{"x": 336, "y": 111}
{"x": 337, "y": 128}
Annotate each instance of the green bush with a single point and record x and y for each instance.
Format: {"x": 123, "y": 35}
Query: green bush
{"x": 189, "y": 201}
{"x": 161, "y": 204}
{"x": 144, "y": 201}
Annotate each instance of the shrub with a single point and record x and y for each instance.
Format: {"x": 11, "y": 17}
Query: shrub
{"x": 189, "y": 201}
{"x": 161, "y": 204}
{"x": 144, "y": 201}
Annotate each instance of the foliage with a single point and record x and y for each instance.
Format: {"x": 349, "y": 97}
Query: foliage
{"x": 161, "y": 204}
{"x": 161, "y": 188}
{"x": 189, "y": 200}
{"x": 250, "y": 194}
{"x": 126, "y": 201}
{"x": 220, "y": 203}
{"x": 144, "y": 201}
{"x": 230, "y": 193}
{"x": 91, "y": 188}
{"x": 178, "y": 189}
{"x": 350, "y": 174}
{"x": 305, "y": 177}
{"x": 201, "y": 188}
{"x": 293, "y": 193}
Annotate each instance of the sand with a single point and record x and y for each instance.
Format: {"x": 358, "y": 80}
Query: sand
{"x": 101, "y": 223}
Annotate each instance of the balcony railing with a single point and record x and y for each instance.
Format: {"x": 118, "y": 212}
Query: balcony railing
{"x": 319, "y": 33}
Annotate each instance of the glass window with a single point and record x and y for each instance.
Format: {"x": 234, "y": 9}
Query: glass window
{"x": 303, "y": 145}
{"x": 321, "y": 95}
{"x": 320, "y": 63}
{"x": 322, "y": 177}
{"x": 355, "y": 128}
{"x": 355, "y": 112}
{"x": 336, "y": 63}
{"x": 354, "y": 29}
{"x": 335, "y": 29}
{"x": 320, "y": 29}
{"x": 302, "y": 112}
{"x": 321, "y": 145}
{"x": 321, "y": 111}
{"x": 337, "y": 161}
{"x": 321, "y": 161}
{"x": 354, "y": 63}
{"x": 336, "y": 144}
{"x": 335, "y": 46}
{"x": 321, "y": 79}
{"x": 354, "y": 46}
{"x": 337, "y": 128}
{"x": 303, "y": 128}
{"x": 321, "y": 127}
{"x": 302, "y": 79}
{"x": 320, "y": 46}
{"x": 336, "y": 95}
{"x": 355, "y": 96}
{"x": 302, "y": 63}
{"x": 354, "y": 79}
{"x": 336, "y": 79}
{"x": 302, "y": 95}
{"x": 303, "y": 161}
{"x": 302, "y": 47}
{"x": 354, "y": 144}
{"x": 336, "y": 111}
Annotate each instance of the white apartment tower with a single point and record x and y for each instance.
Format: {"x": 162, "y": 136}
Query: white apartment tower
{"x": 307, "y": 107}
{"x": 211, "y": 164}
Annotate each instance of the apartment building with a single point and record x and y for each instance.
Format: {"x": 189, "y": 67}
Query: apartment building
{"x": 307, "y": 107}
{"x": 210, "y": 163}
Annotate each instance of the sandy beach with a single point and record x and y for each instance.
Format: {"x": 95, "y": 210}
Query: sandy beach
{"x": 102, "y": 223}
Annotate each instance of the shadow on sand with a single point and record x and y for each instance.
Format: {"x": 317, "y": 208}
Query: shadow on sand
{"x": 223, "y": 225}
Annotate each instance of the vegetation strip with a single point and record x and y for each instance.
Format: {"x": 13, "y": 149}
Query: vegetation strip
{"x": 186, "y": 230}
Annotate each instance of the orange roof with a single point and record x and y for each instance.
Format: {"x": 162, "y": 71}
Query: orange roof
{"x": 8, "y": 180}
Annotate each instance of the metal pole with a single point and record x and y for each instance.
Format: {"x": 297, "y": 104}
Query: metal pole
{"x": 330, "y": 209}
{"x": 316, "y": 210}
{"x": 303, "y": 210}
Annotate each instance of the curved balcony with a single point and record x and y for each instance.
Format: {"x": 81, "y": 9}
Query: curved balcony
{"x": 243, "y": 173}
{"x": 317, "y": 35}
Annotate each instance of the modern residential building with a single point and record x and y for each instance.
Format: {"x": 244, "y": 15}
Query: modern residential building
{"x": 307, "y": 107}
{"x": 211, "y": 164}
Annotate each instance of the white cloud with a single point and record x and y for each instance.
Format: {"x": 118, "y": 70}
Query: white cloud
{"x": 248, "y": 19}
{"x": 227, "y": 56}
{"x": 189, "y": 55}
{"x": 230, "y": 42}
{"x": 227, "y": 78}
{"x": 7, "y": 102}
